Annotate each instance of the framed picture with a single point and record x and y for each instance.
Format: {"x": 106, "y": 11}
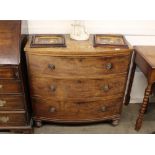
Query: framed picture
{"x": 50, "y": 40}
{"x": 108, "y": 40}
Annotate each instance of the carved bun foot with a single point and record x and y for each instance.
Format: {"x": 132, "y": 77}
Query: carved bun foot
{"x": 115, "y": 122}
{"x": 38, "y": 124}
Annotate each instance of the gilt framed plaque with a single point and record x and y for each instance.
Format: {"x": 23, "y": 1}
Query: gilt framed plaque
{"x": 108, "y": 40}
{"x": 48, "y": 40}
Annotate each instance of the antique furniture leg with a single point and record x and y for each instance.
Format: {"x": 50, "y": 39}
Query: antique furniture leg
{"x": 143, "y": 107}
{"x": 38, "y": 123}
{"x": 148, "y": 101}
{"x": 131, "y": 77}
{"x": 115, "y": 121}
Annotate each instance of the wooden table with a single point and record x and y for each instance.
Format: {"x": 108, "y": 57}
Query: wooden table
{"x": 144, "y": 58}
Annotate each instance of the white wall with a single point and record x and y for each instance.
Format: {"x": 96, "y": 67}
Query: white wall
{"x": 136, "y": 32}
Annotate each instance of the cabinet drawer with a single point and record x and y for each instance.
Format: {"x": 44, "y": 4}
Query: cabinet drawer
{"x": 12, "y": 119}
{"x": 10, "y": 87}
{"x": 76, "y": 111}
{"x": 94, "y": 67}
{"x": 9, "y": 73}
{"x": 77, "y": 89}
{"x": 11, "y": 102}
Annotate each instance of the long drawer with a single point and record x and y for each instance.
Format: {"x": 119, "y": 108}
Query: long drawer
{"x": 77, "y": 89}
{"x": 12, "y": 118}
{"x": 9, "y": 73}
{"x": 10, "y": 87}
{"x": 93, "y": 67}
{"x": 75, "y": 111}
{"x": 12, "y": 102}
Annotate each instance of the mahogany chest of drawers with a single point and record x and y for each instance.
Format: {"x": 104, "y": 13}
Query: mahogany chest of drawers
{"x": 78, "y": 83}
{"x": 14, "y": 113}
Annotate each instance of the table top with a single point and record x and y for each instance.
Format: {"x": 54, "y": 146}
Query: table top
{"x": 148, "y": 53}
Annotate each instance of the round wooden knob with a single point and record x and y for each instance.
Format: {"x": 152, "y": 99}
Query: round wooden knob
{"x": 51, "y": 66}
{"x": 105, "y": 88}
{"x": 108, "y": 66}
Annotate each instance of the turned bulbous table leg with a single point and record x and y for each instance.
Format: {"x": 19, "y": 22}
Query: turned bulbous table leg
{"x": 143, "y": 107}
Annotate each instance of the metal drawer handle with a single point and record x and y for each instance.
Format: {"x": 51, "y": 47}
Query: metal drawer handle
{"x": 105, "y": 88}
{"x": 4, "y": 119}
{"x": 51, "y": 66}
{"x": 108, "y": 66}
{"x": 52, "y": 109}
{"x": 2, "y": 103}
{"x": 53, "y": 88}
{"x": 103, "y": 109}
{"x": 1, "y": 86}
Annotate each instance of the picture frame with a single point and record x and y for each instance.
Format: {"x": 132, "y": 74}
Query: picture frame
{"x": 48, "y": 40}
{"x": 110, "y": 40}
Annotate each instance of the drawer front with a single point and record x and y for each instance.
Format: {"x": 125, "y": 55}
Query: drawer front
{"x": 12, "y": 119}
{"x": 9, "y": 73}
{"x": 76, "y": 111}
{"x": 77, "y": 89}
{"x": 10, "y": 87}
{"x": 94, "y": 67}
{"x": 12, "y": 102}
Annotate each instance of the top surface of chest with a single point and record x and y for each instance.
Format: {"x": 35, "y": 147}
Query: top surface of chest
{"x": 76, "y": 48}
{"x": 10, "y": 42}
{"x": 148, "y": 54}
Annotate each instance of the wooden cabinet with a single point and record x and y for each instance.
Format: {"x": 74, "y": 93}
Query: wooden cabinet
{"x": 14, "y": 98}
{"x": 77, "y": 83}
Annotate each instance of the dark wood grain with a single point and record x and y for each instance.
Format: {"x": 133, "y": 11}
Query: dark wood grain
{"x": 8, "y": 72}
{"x": 10, "y": 86}
{"x": 14, "y": 113}
{"x": 83, "y": 111}
{"x": 13, "y": 118}
{"x": 94, "y": 67}
{"x": 12, "y": 102}
{"x": 10, "y": 42}
{"x": 77, "y": 89}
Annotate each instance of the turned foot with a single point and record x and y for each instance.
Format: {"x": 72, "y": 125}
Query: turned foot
{"x": 115, "y": 122}
{"x": 138, "y": 124}
{"x": 38, "y": 123}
